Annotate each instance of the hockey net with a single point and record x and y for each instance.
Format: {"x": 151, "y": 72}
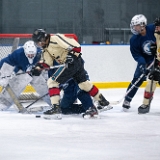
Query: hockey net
{"x": 10, "y": 42}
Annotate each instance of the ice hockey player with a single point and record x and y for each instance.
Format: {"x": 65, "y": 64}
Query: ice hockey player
{"x": 154, "y": 75}
{"x": 21, "y": 60}
{"x": 140, "y": 42}
{"x": 65, "y": 51}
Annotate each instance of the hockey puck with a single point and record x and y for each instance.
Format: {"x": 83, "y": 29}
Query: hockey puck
{"x": 38, "y": 116}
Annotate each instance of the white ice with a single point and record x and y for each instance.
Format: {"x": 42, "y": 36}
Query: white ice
{"x": 116, "y": 135}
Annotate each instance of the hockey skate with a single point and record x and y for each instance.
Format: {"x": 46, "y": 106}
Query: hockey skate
{"x": 143, "y": 109}
{"x": 126, "y": 106}
{"x": 53, "y": 113}
{"x": 92, "y": 112}
{"x": 102, "y": 108}
{"x": 103, "y": 102}
{"x": 103, "y": 105}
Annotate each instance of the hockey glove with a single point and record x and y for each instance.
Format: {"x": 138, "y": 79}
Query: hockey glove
{"x": 155, "y": 75}
{"x": 155, "y": 72}
{"x": 69, "y": 59}
{"x": 153, "y": 49}
{"x": 35, "y": 72}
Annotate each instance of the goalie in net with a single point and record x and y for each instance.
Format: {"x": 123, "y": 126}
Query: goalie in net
{"x": 14, "y": 73}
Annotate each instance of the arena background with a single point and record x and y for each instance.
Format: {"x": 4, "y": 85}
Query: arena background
{"x": 93, "y": 21}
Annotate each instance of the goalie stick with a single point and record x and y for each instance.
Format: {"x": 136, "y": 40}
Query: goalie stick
{"x": 15, "y": 99}
{"x": 133, "y": 85}
{"x": 52, "y": 67}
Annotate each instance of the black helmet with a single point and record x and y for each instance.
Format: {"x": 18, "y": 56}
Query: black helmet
{"x": 39, "y": 35}
{"x": 157, "y": 21}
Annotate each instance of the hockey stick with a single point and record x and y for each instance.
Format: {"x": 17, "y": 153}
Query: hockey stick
{"x": 133, "y": 85}
{"x": 151, "y": 97}
{"x": 36, "y": 100}
{"x": 15, "y": 99}
{"x": 52, "y": 67}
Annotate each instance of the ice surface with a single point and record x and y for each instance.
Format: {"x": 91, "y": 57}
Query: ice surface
{"x": 116, "y": 135}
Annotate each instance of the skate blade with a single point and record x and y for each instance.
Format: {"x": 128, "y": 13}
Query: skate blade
{"x": 54, "y": 116}
{"x": 87, "y": 116}
{"x": 143, "y": 111}
{"x": 125, "y": 110}
{"x": 106, "y": 108}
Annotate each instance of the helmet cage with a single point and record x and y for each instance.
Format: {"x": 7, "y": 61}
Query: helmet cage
{"x": 138, "y": 20}
{"x": 30, "y": 51}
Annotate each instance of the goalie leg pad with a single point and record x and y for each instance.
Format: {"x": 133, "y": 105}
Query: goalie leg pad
{"x": 5, "y": 74}
{"x": 19, "y": 82}
{"x": 40, "y": 85}
{"x": 4, "y": 103}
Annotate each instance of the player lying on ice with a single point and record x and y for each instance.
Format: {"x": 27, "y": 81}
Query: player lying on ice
{"x": 65, "y": 50}
{"x": 21, "y": 60}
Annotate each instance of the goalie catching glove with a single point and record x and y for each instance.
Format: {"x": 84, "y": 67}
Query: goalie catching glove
{"x": 38, "y": 68}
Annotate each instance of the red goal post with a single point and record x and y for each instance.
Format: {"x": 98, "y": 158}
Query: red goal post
{"x": 7, "y": 41}
{"x": 5, "y": 35}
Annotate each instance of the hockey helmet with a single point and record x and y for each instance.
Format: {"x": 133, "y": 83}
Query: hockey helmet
{"x": 138, "y": 19}
{"x": 30, "y": 50}
{"x": 39, "y": 35}
{"x": 157, "y": 21}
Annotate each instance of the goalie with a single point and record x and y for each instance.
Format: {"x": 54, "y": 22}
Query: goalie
{"x": 154, "y": 76}
{"x": 14, "y": 74}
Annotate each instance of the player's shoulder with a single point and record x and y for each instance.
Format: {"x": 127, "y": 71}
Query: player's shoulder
{"x": 150, "y": 27}
{"x": 133, "y": 38}
{"x": 19, "y": 50}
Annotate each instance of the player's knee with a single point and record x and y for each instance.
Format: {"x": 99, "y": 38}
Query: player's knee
{"x": 86, "y": 86}
{"x": 51, "y": 83}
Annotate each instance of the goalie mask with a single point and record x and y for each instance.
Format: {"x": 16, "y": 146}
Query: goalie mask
{"x": 30, "y": 51}
{"x": 140, "y": 20}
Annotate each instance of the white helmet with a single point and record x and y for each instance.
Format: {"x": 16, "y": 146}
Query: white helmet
{"x": 138, "y": 19}
{"x": 30, "y": 50}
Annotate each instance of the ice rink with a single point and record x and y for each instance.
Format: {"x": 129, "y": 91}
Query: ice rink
{"x": 116, "y": 135}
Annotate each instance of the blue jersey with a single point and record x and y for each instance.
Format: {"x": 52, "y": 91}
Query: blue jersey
{"x": 140, "y": 45}
{"x": 19, "y": 60}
